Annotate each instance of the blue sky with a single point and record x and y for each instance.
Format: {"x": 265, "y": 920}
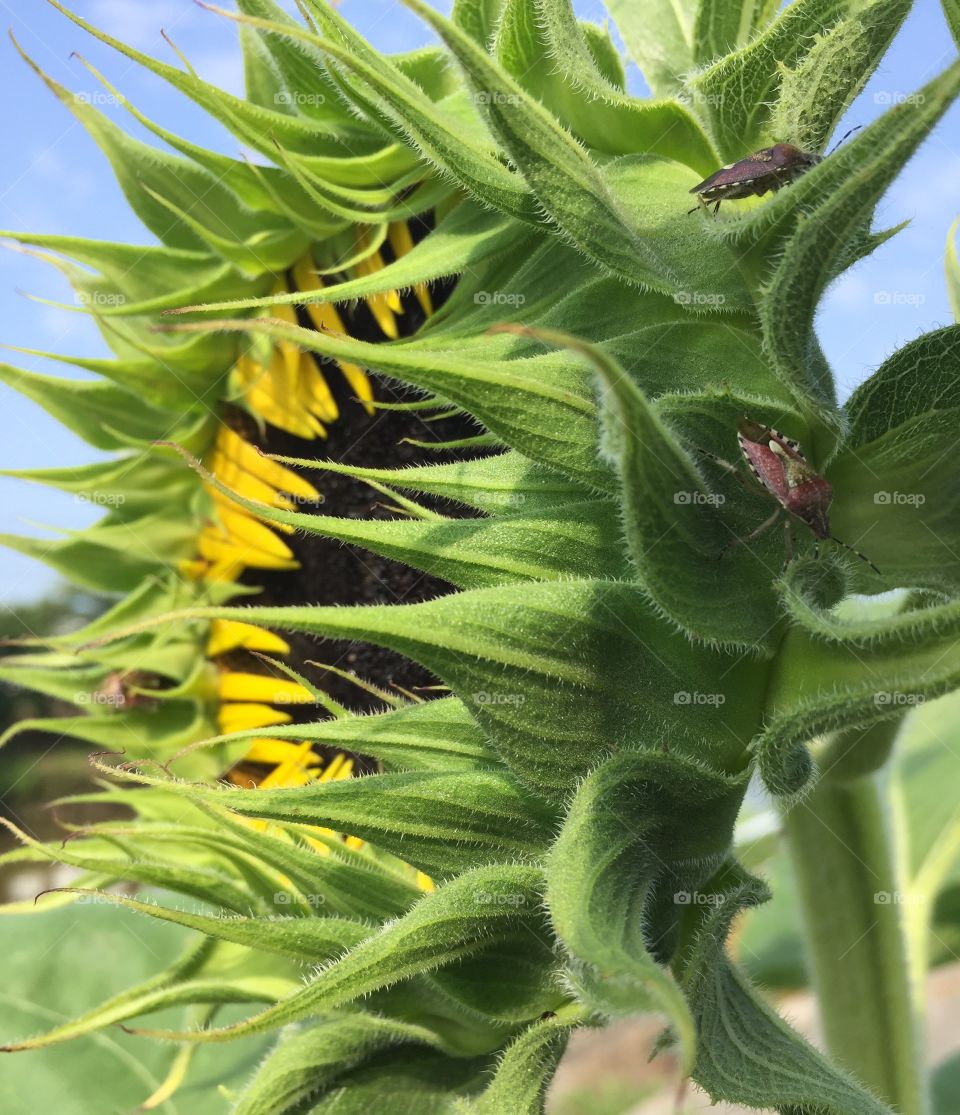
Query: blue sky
{"x": 55, "y": 180}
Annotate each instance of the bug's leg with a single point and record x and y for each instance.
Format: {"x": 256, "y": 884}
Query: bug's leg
{"x": 716, "y": 208}
{"x": 739, "y": 476}
{"x": 764, "y": 526}
{"x": 699, "y": 205}
{"x": 862, "y": 557}
{"x": 725, "y": 465}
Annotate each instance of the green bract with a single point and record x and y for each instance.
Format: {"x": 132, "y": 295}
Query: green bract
{"x": 615, "y": 672}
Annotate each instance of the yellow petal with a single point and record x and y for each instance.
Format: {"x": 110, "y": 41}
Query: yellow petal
{"x": 241, "y": 528}
{"x": 398, "y": 235}
{"x": 380, "y": 304}
{"x": 334, "y": 770}
{"x": 228, "y": 568}
{"x": 237, "y": 686}
{"x": 243, "y": 717}
{"x": 230, "y": 634}
{"x": 294, "y": 771}
{"x": 216, "y": 546}
{"x": 401, "y": 241}
{"x": 193, "y": 570}
{"x": 316, "y": 389}
{"x": 275, "y": 751}
{"x": 424, "y": 882}
{"x": 251, "y": 460}
{"x": 360, "y": 382}
{"x": 246, "y": 484}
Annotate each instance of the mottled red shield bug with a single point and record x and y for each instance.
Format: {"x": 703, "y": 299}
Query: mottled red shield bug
{"x": 784, "y": 473}
{"x": 765, "y": 170}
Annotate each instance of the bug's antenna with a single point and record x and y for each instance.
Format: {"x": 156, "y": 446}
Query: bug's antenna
{"x": 839, "y": 141}
{"x": 862, "y": 557}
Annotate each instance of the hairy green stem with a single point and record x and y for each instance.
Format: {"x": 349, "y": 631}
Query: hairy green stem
{"x": 842, "y": 845}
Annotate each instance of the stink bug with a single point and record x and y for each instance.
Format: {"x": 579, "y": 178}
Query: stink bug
{"x": 784, "y": 473}
{"x": 765, "y": 170}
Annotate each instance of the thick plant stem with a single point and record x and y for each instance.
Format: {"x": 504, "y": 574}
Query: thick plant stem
{"x": 842, "y": 846}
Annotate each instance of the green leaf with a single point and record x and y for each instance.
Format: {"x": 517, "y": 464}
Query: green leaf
{"x": 551, "y": 545}
{"x": 255, "y": 126}
{"x": 951, "y": 9}
{"x": 309, "y": 1063}
{"x": 894, "y": 477}
{"x": 814, "y": 95}
{"x": 830, "y": 239}
{"x": 94, "y": 410}
{"x": 525, "y": 1070}
{"x": 90, "y": 951}
{"x": 670, "y": 518}
{"x": 477, "y": 17}
{"x": 595, "y": 208}
{"x": 431, "y": 128}
{"x": 507, "y": 982}
{"x": 441, "y": 823}
{"x": 461, "y": 241}
{"x": 209, "y": 972}
{"x": 341, "y": 880}
{"x": 407, "y": 1081}
{"x": 503, "y": 482}
{"x": 659, "y": 38}
{"x": 213, "y": 887}
{"x": 313, "y": 939}
{"x": 738, "y": 89}
{"x": 628, "y": 839}
{"x": 550, "y": 417}
{"x": 541, "y": 667}
{"x": 721, "y": 26}
{"x": 453, "y": 922}
{"x": 548, "y": 53}
{"x": 148, "y": 177}
{"x": 142, "y": 733}
{"x": 747, "y": 1054}
{"x": 866, "y": 673}
{"x": 435, "y": 736}
{"x": 303, "y": 87}
{"x": 919, "y": 380}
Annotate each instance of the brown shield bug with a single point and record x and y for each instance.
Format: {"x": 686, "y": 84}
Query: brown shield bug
{"x": 764, "y": 171}
{"x": 784, "y": 473}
